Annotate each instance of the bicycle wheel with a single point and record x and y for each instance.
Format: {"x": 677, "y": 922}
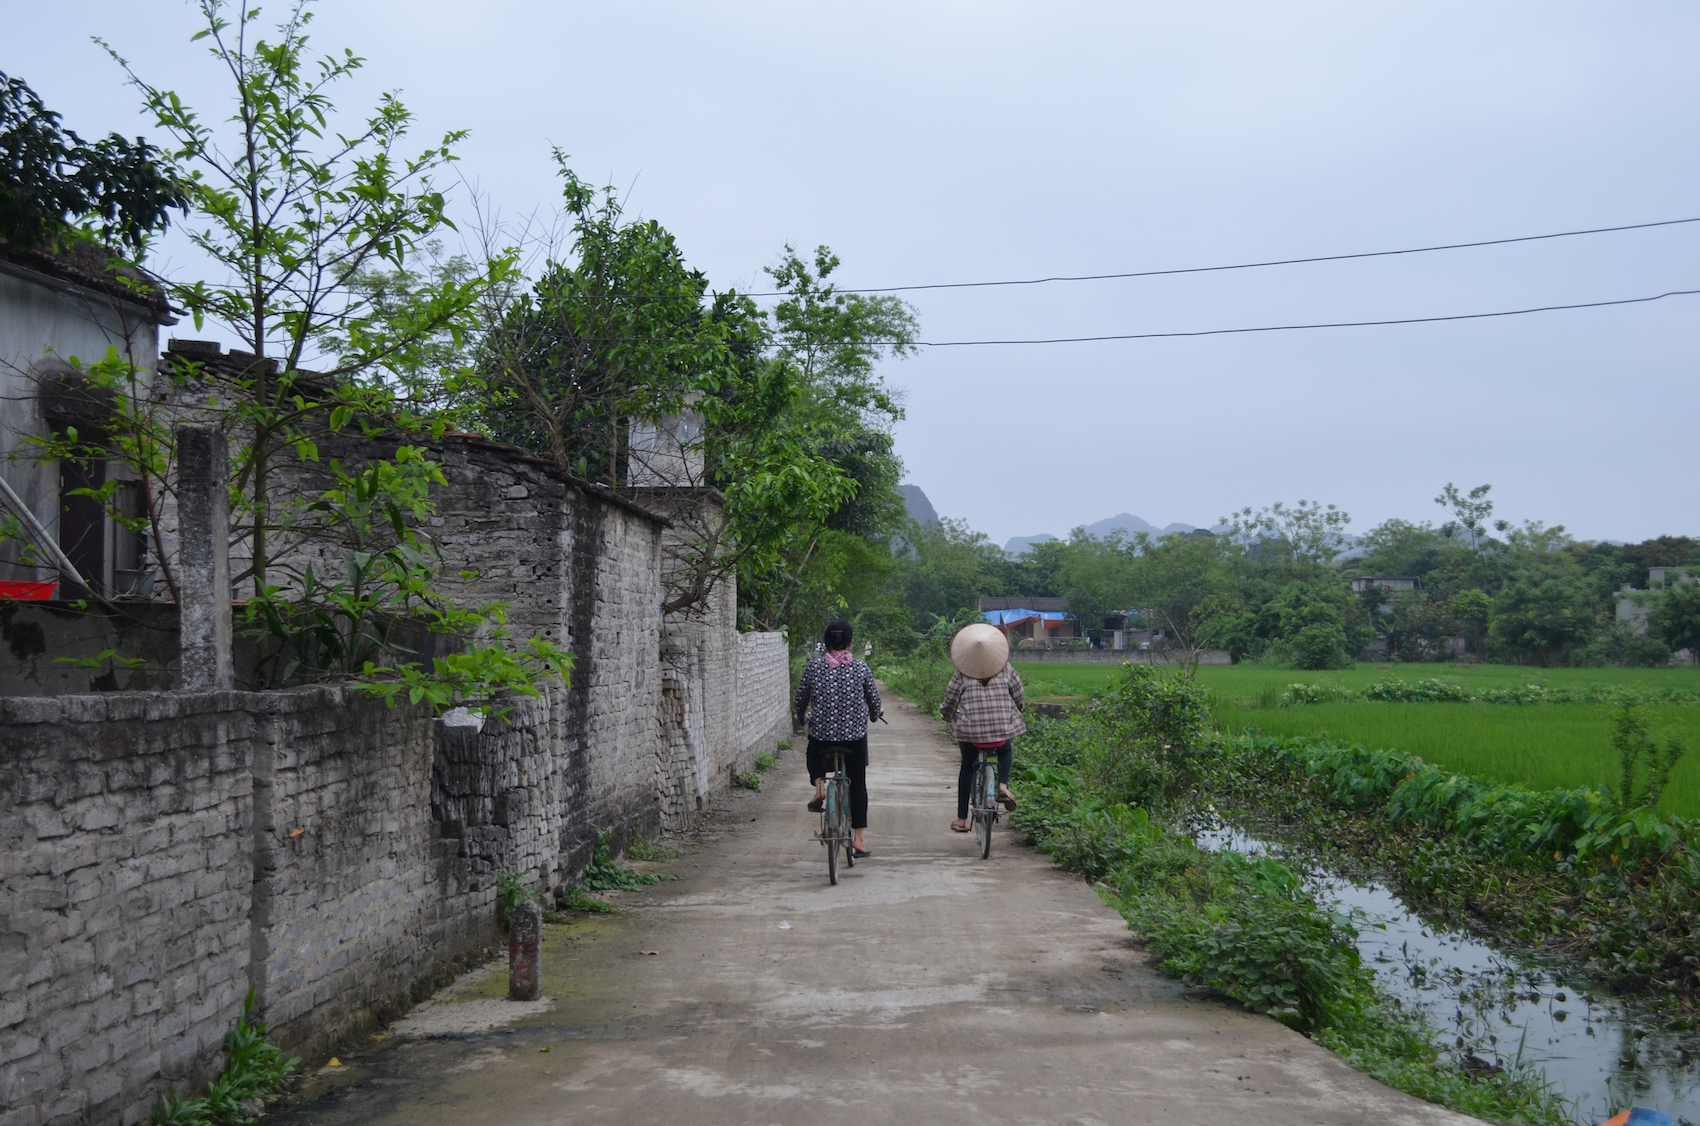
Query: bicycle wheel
{"x": 988, "y": 809}
{"x": 832, "y": 822}
{"x": 849, "y": 854}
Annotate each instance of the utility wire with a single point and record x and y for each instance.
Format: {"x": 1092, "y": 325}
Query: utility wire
{"x": 1256, "y": 265}
{"x": 1294, "y": 328}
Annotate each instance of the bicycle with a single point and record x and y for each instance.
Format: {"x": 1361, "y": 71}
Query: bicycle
{"x": 983, "y": 801}
{"x": 835, "y": 818}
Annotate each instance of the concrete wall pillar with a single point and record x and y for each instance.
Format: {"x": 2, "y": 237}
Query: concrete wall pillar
{"x": 203, "y": 513}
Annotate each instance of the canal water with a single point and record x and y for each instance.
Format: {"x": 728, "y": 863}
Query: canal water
{"x": 1597, "y": 1050}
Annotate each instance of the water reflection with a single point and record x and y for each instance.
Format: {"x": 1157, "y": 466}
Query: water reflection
{"x": 1599, "y": 1052}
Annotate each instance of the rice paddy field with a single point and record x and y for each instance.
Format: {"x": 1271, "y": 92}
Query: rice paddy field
{"x": 1540, "y": 745}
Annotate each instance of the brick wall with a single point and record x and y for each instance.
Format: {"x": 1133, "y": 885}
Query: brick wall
{"x": 125, "y": 825}
{"x": 160, "y": 853}
{"x": 763, "y": 698}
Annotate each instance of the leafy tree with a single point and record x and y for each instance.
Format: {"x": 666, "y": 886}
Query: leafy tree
{"x": 1469, "y": 511}
{"x": 1306, "y": 532}
{"x": 1674, "y": 615}
{"x": 1399, "y": 547}
{"x": 1540, "y": 620}
{"x": 949, "y": 568}
{"x": 1176, "y": 581}
{"x": 55, "y": 186}
{"x": 830, "y": 343}
{"x": 295, "y": 213}
{"x": 618, "y": 335}
{"x": 1472, "y": 610}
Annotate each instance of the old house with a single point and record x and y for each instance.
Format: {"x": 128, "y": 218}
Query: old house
{"x": 60, "y": 315}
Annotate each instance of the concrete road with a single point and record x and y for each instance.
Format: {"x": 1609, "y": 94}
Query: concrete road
{"x": 929, "y": 986}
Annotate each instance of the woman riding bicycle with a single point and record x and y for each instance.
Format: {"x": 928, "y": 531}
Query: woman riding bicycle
{"x": 837, "y": 692}
{"x": 983, "y": 704}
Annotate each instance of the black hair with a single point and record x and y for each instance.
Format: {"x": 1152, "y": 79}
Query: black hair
{"x": 837, "y": 635}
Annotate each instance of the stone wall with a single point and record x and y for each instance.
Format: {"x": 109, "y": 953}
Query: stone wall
{"x": 164, "y": 852}
{"x": 125, "y": 827}
{"x": 763, "y": 695}
{"x": 161, "y": 853}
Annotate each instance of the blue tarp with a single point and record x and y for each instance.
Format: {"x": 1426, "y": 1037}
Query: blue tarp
{"x": 1010, "y": 617}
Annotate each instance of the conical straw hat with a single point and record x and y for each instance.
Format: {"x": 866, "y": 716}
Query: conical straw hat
{"x": 979, "y": 651}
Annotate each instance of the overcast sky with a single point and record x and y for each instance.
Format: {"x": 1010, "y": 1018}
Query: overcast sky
{"x": 936, "y": 142}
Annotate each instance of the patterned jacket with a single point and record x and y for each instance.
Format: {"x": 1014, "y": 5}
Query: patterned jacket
{"x": 984, "y": 713}
{"x": 839, "y": 702}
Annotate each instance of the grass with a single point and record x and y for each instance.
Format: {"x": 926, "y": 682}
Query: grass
{"x": 1557, "y": 746}
{"x": 1543, "y": 747}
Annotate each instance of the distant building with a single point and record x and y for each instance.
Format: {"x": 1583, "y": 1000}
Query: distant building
{"x": 1632, "y": 610}
{"x": 1385, "y": 583}
{"x": 1031, "y": 623}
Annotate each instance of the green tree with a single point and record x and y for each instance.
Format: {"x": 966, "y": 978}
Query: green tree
{"x": 830, "y": 343}
{"x": 1471, "y": 610}
{"x": 1540, "y": 620}
{"x": 295, "y": 212}
{"x": 1469, "y": 511}
{"x": 949, "y": 567}
{"x": 1308, "y": 532}
{"x": 618, "y": 335}
{"x": 56, "y": 187}
{"x": 1674, "y": 615}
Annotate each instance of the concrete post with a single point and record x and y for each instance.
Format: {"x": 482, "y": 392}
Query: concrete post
{"x": 203, "y": 528}
{"x": 525, "y": 955}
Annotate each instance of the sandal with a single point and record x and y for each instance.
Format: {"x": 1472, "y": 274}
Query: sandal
{"x": 818, "y": 806}
{"x": 1007, "y": 801}
{"x": 859, "y": 853}
{"x": 959, "y": 826}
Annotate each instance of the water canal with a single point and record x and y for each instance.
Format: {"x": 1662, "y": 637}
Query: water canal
{"x": 1600, "y": 1052}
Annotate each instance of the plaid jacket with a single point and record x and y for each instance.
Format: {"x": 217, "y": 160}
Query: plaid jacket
{"x": 984, "y": 713}
{"x": 839, "y": 702}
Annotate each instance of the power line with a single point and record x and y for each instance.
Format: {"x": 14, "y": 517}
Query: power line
{"x": 1255, "y": 265}
{"x": 1294, "y": 328}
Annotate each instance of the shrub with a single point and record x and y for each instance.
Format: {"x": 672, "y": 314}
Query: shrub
{"x": 254, "y": 1069}
{"x": 606, "y": 874}
{"x": 765, "y": 760}
{"x": 1320, "y": 645}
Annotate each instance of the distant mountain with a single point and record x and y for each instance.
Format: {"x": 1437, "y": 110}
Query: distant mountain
{"x": 920, "y": 508}
{"x": 1126, "y": 523}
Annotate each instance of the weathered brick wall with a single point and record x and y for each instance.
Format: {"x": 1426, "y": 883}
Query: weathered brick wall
{"x": 125, "y": 827}
{"x": 763, "y": 703}
{"x": 359, "y": 896}
{"x": 160, "y": 853}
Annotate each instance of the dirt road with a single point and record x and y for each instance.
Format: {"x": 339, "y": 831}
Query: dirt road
{"x": 927, "y": 987}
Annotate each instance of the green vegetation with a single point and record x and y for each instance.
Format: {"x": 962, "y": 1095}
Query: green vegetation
{"x": 1547, "y": 746}
{"x": 765, "y": 761}
{"x": 750, "y": 780}
{"x": 646, "y": 847}
{"x": 1107, "y": 794}
{"x": 254, "y": 1070}
{"x": 607, "y": 874}
{"x": 1554, "y": 746}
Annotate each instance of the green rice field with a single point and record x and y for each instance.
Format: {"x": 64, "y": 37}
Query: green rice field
{"x": 1541, "y": 746}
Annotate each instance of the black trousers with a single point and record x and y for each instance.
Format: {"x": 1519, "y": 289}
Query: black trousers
{"x": 970, "y": 759}
{"x": 819, "y": 756}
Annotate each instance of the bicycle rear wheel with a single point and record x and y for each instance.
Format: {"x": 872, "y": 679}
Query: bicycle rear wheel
{"x": 988, "y": 809}
{"x": 833, "y": 822}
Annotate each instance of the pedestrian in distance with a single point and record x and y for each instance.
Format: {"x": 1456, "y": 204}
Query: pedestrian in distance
{"x": 983, "y": 704}
{"x": 837, "y": 695}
